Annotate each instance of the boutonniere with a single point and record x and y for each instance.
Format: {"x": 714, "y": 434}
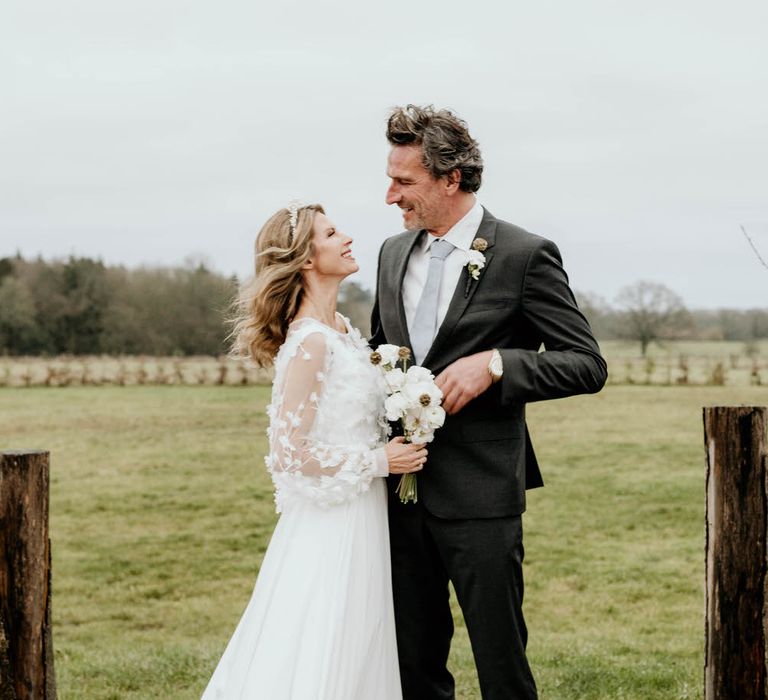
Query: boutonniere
{"x": 475, "y": 261}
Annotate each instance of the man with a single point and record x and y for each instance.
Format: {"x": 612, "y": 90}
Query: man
{"x": 478, "y": 327}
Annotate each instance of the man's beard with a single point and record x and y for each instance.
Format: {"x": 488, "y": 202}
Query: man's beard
{"x": 414, "y": 219}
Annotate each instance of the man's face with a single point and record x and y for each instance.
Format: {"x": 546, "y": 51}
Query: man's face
{"x": 421, "y": 197}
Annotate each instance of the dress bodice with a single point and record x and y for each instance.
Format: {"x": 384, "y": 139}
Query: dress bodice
{"x": 327, "y": 424}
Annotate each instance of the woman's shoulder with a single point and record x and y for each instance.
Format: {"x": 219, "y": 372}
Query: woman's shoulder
{"x": 308, "y": 335}
{"x": 343, "y": 330}
{"x": 313, "y": 337}
{"x": 353, "y": 333}
{"x": 305, "y": 327}
{"x": 305, "y": 335}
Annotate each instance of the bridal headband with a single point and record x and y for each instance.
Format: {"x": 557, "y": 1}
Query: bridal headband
{"x": 293, "y": 213}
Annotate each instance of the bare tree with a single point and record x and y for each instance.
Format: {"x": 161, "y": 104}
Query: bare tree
{"x": 601, "y": 317}
{"x": 651, "y": 312}
{"x": 753, "y": 246}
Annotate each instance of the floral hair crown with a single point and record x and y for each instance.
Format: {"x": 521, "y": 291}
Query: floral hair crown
{"x": 293, "y": 213}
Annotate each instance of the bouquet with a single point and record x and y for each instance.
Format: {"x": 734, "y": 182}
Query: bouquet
{"x": 414, "y": 399}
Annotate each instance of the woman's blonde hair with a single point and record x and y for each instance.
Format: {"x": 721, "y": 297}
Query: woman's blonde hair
{"x": 268, "y": 302}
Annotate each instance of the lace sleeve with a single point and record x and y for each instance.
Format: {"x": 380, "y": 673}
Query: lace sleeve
{"x": 325, "y": 469}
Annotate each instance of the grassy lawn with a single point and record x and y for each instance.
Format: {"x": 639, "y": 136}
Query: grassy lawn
{"x": 161, "y": 511}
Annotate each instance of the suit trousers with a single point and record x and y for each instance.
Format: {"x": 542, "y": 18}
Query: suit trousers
{"x": 483, "y": 559}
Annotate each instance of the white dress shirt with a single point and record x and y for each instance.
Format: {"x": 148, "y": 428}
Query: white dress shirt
{"x": 460, "y": 235}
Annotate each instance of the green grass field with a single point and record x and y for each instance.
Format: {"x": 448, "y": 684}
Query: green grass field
{"x": 161, "y": 511}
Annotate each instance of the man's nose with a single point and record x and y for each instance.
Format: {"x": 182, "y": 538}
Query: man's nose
{"x": 392, "y": 194}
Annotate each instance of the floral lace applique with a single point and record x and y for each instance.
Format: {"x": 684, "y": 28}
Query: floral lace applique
{"x": 326, "y": 417}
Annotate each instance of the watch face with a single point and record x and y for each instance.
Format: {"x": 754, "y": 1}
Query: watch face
{"x": 496, "y": 366}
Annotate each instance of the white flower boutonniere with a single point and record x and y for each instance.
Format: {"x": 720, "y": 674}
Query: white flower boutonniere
{"x": 475, "y": 261}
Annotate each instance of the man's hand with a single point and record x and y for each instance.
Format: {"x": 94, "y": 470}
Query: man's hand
{"x": 464, "y": 380}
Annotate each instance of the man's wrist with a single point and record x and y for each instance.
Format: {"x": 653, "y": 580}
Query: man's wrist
{"x": 495, "y": 366}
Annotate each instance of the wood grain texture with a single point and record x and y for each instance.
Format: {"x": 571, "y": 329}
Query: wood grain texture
{"x": 737, "y": 518}
{"x": 26, "y": 648}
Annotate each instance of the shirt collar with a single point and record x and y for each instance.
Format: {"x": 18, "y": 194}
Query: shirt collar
{"x": 463, "y": 232}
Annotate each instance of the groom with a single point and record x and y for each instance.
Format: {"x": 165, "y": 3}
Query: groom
{"x": 479, "y": 328}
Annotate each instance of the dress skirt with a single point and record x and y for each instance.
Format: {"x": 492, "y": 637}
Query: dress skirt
{"x": 320, "y": 623}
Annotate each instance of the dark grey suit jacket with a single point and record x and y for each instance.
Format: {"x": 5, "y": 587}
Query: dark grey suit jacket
{"x": 482, "y": 461}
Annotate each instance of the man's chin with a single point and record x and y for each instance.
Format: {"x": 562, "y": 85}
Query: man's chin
{"x": 410, "y": 220}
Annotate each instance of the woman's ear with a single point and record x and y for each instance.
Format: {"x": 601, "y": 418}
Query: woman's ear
{"x": 307, "y": 265}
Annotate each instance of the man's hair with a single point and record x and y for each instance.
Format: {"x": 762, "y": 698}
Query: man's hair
{"x": 444, "y": 139}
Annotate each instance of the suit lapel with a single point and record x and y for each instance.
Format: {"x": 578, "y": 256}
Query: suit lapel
{"x": 460, "y": 300}
{"x": 402, "y": 266}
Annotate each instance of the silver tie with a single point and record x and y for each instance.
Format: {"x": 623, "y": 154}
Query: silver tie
{"x": 424, "y": 328}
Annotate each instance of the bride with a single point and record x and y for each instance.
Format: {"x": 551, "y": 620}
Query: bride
{"x": 320, "y": 622}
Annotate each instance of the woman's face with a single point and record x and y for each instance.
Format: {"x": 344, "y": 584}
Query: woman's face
{"x": 331, "y": 249}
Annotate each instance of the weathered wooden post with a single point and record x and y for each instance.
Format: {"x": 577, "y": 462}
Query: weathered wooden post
{"x": 736, "y": 557}
{"x": 26, "y": 647}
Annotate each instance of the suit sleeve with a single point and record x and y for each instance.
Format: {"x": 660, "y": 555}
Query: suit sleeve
{"x": 571, "y": 362}
{"x": 377, "y": 334}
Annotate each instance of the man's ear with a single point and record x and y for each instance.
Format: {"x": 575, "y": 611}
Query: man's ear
{"x": 452, "y": 181}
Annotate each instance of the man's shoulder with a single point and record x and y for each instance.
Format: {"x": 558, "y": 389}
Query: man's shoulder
{"x": 397, "y": 244}
{"x": 399, "y": 239}
{"x": 510, "y": 235}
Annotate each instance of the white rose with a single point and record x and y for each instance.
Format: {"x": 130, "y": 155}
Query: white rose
{"x": 433, "y": 416}
{"x": 388, "y": 354}
{"x": 435, "y": 395}
{"x": 413, "y": 391}
{"x": 395, "y": 379}
{"x": 395, "y": 406}
{"x": 476, "y": 259}
{"x": 416, "y": 373}
{"x": 416, "y": 390}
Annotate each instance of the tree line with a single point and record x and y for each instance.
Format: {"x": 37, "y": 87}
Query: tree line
{"x": 81, "y": 306}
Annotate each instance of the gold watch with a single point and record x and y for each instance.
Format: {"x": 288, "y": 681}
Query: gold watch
{"x": 495, "y": 366}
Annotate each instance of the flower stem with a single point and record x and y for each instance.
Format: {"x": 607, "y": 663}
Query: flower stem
{"x": 406, "y": 488}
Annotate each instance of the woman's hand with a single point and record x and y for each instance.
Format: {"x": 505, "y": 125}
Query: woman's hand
{"x": 405, "y": 457}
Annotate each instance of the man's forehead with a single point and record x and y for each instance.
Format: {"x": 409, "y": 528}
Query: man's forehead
{"x": 405, "y": 152}
{"x": 404, "y": 158}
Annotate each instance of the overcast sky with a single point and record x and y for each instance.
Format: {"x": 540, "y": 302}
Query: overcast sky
{"x": 634, "y": 135}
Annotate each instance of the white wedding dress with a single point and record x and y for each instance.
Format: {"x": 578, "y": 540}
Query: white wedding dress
{"x": 320, "y": 623}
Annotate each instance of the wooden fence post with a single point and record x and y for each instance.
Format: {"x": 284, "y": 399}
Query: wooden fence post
{"x": 736, "y": 556}
{"x": 26, "y": 647}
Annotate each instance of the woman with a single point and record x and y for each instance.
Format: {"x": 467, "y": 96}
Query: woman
{"x": 320, "y": 622}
